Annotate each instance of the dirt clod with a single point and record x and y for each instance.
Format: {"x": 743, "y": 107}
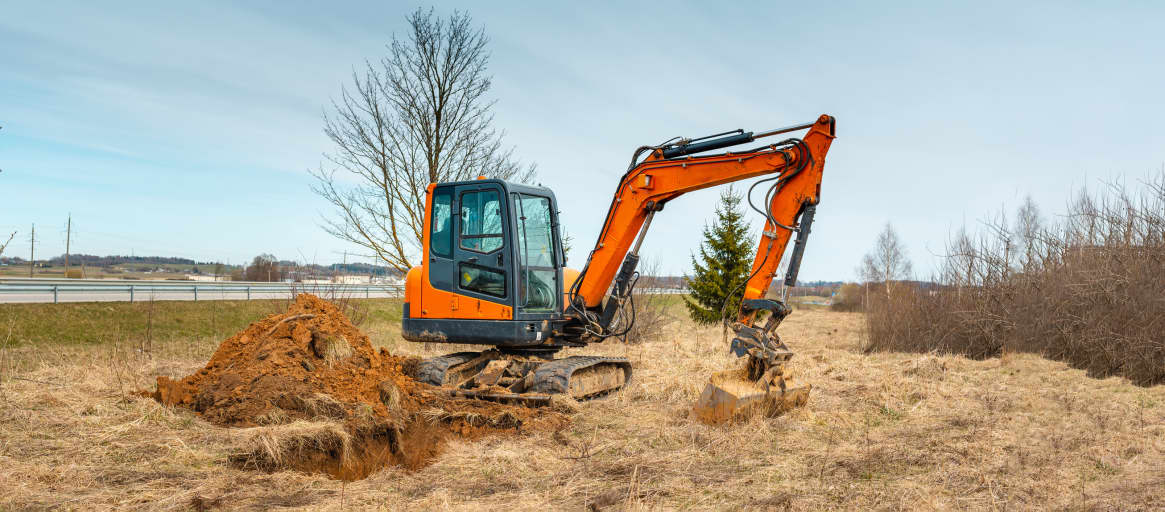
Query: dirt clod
{"x": 313, "y": 394}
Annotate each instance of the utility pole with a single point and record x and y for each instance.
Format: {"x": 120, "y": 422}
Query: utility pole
{"x": 337, "y": 272}
{"x": 68, "y": 238}
{"x": 32, "y": 251}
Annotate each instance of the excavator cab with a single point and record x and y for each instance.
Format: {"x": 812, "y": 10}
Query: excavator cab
{"x": 492, "y": 272}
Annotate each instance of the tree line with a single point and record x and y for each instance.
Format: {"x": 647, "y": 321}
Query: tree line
{"x": 109, "y": 261}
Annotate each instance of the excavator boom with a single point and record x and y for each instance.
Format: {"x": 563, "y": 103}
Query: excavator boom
{"x": 796, "y": 166}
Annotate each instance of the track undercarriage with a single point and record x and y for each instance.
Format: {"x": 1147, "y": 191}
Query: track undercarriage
{"x": 528, "y": 378}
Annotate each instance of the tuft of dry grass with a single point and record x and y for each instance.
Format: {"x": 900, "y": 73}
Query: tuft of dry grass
{"x": 390, "y": 395}
{"x": 330, "y": 348}
{"x": 275, "y": 447}
{"x": 880, "y": 431}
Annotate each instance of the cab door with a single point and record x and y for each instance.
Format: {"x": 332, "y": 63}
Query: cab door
{"x": 481, "y": 248}
{"x": 538, "y": 265}
{"x": 442, "y": 272}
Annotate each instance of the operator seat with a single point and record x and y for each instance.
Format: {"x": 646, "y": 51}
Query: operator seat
{"x": 441, "y": 238}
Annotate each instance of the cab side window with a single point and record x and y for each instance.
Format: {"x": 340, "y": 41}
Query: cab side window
{"x": 441, "y": 231}
{"x": 481, "y": 221}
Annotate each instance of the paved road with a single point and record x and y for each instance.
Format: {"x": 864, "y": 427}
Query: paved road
{"x": 24, "y": 290}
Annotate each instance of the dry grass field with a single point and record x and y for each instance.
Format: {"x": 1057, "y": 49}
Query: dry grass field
{"x": 881, "y": 431}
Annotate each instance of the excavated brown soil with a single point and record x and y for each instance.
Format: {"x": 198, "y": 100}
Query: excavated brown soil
{"x": 327, "y": 401}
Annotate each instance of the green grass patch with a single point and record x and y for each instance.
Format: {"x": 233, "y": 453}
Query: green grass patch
{"x": 672, "y": 300}
{"x": 97, "y": 323}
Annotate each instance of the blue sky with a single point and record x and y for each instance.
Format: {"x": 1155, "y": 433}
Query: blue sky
{"x": 188, "y": 130}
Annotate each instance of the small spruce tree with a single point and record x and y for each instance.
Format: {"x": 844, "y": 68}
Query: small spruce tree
{"x": 723, "y": 264}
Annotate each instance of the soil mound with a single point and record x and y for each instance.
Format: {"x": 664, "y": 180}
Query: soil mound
{"x": 321, "y": 398}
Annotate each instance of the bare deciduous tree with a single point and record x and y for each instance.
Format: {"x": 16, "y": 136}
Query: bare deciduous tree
{"x": 417, "y": 116}
{"x": 887, "y": 261}
{"x": 264, "y": 268}
{"x": 5, "y": 244}
{"x": 1028, "y": 228}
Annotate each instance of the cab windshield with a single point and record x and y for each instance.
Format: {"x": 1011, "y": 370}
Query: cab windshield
{"x": 538, "y": 271}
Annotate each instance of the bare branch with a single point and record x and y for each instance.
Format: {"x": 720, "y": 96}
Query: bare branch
{"x": 417, "y": 116}
{"x": 5, "y": 245}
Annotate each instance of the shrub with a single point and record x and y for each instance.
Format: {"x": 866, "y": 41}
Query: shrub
{"x": 652, "y": 305}
{"x": 1086, "y": 290}
{"x": 848, "y": 298}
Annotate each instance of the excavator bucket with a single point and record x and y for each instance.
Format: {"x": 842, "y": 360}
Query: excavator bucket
{"x": 762, "y": 386}
{"x": 732, "y": 396}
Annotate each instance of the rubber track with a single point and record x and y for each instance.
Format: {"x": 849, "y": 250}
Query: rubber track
{"x": 432, "y": 370}
{"x": 554, "y": 377}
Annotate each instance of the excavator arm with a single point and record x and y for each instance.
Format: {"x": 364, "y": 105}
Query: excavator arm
{"x": 671, "y": 170}
{"x": 794, "y": 167}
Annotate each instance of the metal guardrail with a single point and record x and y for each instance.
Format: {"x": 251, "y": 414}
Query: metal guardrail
{"x": 42, "y": 288}
{"x": 134, "y": 290}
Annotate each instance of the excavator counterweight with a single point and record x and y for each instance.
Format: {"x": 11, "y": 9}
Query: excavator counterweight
{"x": 493, "y": 273}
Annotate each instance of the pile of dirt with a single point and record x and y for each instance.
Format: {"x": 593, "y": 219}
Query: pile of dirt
{"x": 324, "y": 399}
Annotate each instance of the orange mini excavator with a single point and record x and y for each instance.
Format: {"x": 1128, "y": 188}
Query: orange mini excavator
{"x": 493, "y": 273}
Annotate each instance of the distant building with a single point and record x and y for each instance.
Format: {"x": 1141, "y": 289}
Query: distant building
{"x": 206, "y": 277}
{"x": 352, "y": 279}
